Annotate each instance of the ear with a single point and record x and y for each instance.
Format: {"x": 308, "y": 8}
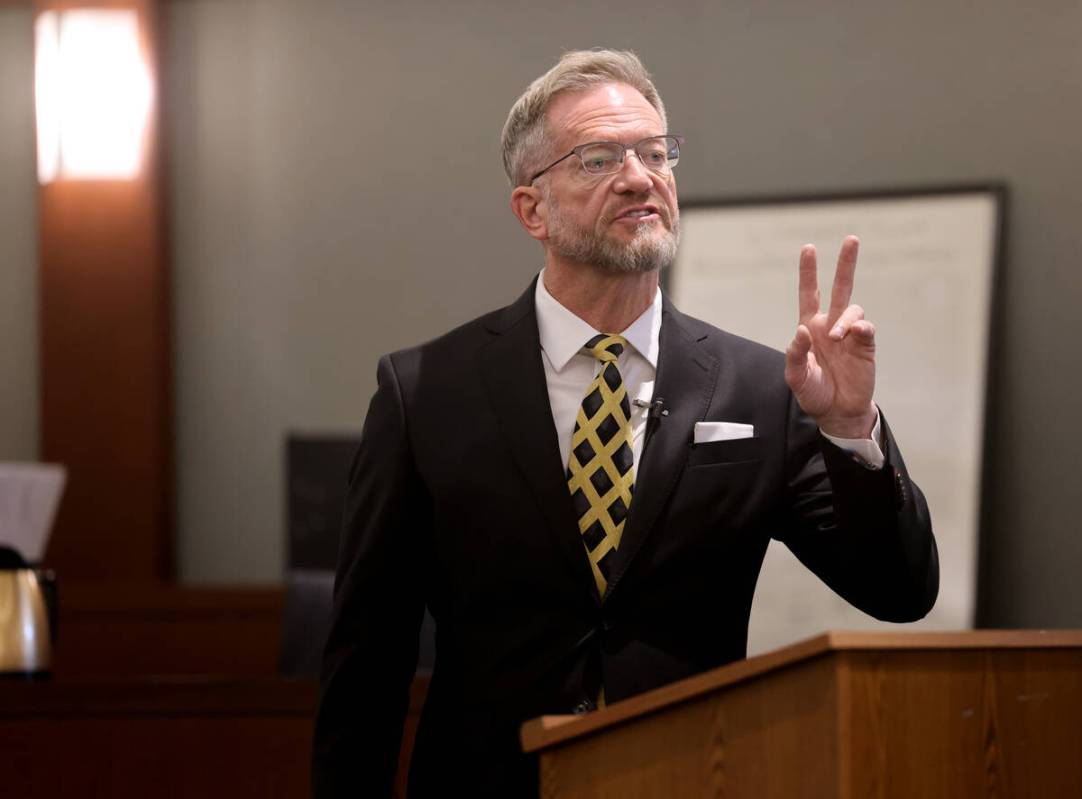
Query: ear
{"x": 529, "y": 207}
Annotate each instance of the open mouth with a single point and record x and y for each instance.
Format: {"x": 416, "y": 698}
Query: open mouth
{"x": 639, "y": 213}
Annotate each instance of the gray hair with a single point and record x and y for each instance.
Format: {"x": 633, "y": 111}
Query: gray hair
{"x": 525, "y": 139}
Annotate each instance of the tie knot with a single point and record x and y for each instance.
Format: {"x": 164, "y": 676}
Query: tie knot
{"x": 605, "y": 347}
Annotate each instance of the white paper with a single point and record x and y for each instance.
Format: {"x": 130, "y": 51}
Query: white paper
{"x": 29, "y": 496}
{"x": 721, "y": 431}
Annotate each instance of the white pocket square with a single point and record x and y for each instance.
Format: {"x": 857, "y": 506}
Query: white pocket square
{"x": 721, "y": 431}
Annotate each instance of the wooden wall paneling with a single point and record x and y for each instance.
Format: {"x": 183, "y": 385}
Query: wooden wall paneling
{"x": 114, "y": 630}
{"x": 106, "y": 373}
{"x": 180, "y": 736}
{"x": 201, "y": 737}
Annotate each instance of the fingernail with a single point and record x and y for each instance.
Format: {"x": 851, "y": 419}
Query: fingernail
{"x": 836, "y": 332}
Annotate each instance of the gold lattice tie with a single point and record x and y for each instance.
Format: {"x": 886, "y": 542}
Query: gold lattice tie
{"x": 600, "y": 469}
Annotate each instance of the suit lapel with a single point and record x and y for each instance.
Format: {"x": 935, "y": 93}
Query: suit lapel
{"x": 686, "y": 377}
{"x": 514, "y": 378}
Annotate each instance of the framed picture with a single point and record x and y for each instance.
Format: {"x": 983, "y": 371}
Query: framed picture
{"x": 926, "y": 275}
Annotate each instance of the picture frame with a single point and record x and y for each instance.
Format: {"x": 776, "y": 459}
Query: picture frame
{"x": 928, "y": 273}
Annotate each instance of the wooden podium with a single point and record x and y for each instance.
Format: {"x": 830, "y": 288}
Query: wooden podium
{"x": 907, "y": 715}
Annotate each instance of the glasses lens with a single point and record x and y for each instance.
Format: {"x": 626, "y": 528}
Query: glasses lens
{"x": 661, "y": 153}
{"x": 597, "y": 159}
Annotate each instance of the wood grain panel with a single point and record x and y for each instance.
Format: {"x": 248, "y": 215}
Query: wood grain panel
{"x": 140, "y": 629}
{"x": 980, "y": 723}
{"x": 763, "y": 741}
{"x": 179, "y": 736}
{"x": 205, "y": 737}
{"x": 548, "y": 730}
{"x": 880, "y": 715}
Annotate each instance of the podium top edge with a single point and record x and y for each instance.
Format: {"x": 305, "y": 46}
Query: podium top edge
{"x": 960, "y": 639}
{"x": 546, "y": 731}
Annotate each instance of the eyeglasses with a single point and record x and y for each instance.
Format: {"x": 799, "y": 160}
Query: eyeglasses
{"x": 658, "y": 153}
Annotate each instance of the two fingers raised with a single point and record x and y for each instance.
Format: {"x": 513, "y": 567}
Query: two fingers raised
{"x": 842, "y": 288}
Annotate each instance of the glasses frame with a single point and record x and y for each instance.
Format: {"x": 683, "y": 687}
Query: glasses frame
{"x": 634, "y": 147}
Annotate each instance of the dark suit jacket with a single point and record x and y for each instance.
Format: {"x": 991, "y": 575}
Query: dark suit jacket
{"x": 458, "y": 499}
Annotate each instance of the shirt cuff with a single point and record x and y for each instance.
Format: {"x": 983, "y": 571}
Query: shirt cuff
{"x": 865, "y": 451}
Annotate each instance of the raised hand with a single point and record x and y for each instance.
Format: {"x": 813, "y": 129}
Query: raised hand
{"x": 830, "y": 363}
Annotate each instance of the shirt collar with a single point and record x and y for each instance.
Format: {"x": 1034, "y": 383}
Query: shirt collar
{"x": 563, "y": 334}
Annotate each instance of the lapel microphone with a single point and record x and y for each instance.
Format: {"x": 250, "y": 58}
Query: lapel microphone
{"x": 653, "y": 417}
{"x": 657, "y": 407}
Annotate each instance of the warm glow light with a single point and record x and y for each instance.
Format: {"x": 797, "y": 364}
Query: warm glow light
{"x": 93, "y": 93}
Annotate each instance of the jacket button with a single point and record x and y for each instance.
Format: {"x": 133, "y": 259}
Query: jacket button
{"x": 585, "y": 706}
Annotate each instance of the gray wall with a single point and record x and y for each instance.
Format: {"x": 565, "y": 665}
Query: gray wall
{"x": 18, "y": 241}
{"x": 303, "y": 251}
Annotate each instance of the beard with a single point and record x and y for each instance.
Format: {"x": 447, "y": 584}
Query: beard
{"x": 645, "y": 252}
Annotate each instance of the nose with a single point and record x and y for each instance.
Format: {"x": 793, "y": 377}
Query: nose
{"x": 633, "y": 176}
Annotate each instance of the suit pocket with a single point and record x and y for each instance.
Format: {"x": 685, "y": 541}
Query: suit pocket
{"x": 736, "y": 450}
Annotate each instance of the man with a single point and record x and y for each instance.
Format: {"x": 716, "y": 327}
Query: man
{"x": 582, "y": 485}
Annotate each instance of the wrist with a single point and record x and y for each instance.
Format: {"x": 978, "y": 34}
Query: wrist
{"x": 852, "y": 427}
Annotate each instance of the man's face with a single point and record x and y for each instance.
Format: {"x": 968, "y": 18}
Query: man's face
{"x": 627, "y": 221}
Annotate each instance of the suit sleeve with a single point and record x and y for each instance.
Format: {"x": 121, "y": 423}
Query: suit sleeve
{"x": 371, "y": 652}
{"x": 866, "y": 533}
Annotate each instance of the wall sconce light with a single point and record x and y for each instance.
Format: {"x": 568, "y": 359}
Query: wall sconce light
{"x": 93, "y": 92}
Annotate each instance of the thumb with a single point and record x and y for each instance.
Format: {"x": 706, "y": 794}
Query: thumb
{"x": 796, "y": 357}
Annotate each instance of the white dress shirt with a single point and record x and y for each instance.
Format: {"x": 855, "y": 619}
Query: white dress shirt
{"x": 569, "y": 372}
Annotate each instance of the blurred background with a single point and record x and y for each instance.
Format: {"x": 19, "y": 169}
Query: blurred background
{"x": 333, "y": 191}
{"x": 323, "y": 185}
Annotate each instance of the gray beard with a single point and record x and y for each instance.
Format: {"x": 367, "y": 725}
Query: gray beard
{"x": 644, "y": 253}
